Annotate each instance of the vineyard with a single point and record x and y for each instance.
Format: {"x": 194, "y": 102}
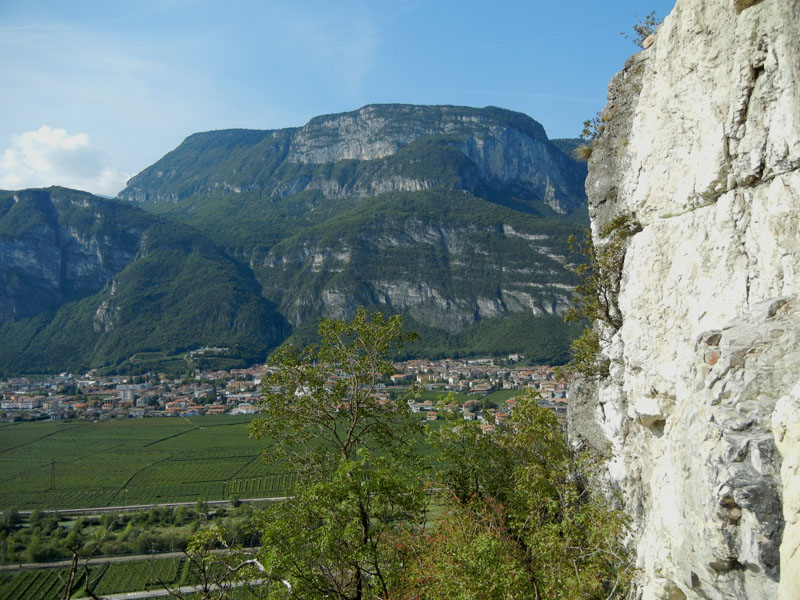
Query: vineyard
{"x": 52, "y": 465}
{"x": 141, "y": 575}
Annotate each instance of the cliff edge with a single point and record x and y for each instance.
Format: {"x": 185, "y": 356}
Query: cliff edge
{"x": 701, "y": 410}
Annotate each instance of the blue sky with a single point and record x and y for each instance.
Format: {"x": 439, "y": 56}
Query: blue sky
{"x": 96, "y": 91}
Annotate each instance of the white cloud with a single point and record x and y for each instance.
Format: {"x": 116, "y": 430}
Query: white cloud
{"x": 50, "y": 156}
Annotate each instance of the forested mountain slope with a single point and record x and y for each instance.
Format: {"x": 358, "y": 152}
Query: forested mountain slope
{"x": 90, "y": 282}
{"x": 455, "y": 217}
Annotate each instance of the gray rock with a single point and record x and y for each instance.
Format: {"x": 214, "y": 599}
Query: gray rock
{"x": 702, "y": 406}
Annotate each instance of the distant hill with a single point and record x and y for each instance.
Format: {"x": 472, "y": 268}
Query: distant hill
{"x": 89, "y": 282}
{"x": 455, "y": 217}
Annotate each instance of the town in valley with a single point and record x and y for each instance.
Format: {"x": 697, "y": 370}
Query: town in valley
{"x": 474, "y": 389}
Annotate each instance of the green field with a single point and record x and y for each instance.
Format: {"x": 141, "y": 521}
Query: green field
{"x": 436, "y": 394}
{"x": 500, "y": 396}
{"x": 141, "y": 575}
{"x": 52, "y": 465}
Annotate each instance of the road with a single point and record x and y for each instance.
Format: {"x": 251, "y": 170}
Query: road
{"x": 96, "y": 560}
{"x": 186, "y": 589}
{"x": 131, "y": 507}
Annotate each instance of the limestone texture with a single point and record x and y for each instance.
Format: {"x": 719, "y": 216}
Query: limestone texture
{"x": 701, "y": 410}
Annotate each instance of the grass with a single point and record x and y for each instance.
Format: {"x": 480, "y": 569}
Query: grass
{"x": 500, "y": 396}
{"x": 436, "y": 394}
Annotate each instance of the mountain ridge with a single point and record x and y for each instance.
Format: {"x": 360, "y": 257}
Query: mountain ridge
{"x": 455, "y": 217}
{"x": 373, "y": 132}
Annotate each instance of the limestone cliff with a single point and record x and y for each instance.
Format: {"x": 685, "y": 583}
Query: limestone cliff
{"x": 701, "y": 409}
{"x": 48, "y": 255}
{"x": 502, "y": 147}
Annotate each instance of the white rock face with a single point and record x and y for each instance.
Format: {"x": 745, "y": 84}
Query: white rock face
{"x": 702, "y": 147}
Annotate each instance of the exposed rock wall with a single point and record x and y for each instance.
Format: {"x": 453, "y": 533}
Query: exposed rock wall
{"x": 449, "y": 303}
{"x": 48, "y": 260}
{"x": 701, "y": 409}
{"x": 504, "y": 148}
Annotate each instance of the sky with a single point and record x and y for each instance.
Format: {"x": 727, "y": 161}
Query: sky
{"x": 95, "y": 91}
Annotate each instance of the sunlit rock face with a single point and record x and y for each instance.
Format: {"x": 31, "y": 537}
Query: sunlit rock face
{"x": 701, "y": 410}
{"x": 49, "y": 255}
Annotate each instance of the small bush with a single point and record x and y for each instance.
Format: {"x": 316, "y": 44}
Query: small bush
{"x": 594, "y": 298}
{"x": 643, "y": 28}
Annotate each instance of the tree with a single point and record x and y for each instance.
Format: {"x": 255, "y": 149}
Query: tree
{"x": 592, "y": 130}
{"x": 471, "y": 555}
{"x": 326, "y": 393}
{"x": 472, "y": 466}
{"x": 359, "y": 474}
{"x": 218, "y": 568}
{"x": 541, "y": 535}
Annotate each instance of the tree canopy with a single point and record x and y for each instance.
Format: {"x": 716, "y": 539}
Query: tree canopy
{"x": 516, "y": 519}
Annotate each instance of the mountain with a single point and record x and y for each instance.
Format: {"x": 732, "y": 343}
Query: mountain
{"x": 90, "y": 282}
{"x": 453, "y": 216}
{"x": 370, "y": 151}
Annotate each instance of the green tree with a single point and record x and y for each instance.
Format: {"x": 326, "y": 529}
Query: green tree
{"x": 11, "y": 518}
{"x": 471, "y": 555}
{"x": 217, "y": 574}
{"x": 549, "y": 536}
{"x": 359, "y": 474}
{"x": 321, "y": 402}
{"x": 574, "y": 539}
{"x": 472, "y": 465}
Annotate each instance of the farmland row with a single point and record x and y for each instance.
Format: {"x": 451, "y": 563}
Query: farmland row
{"x": 265, "y": 485}
{"x": 116, "y": 578}
{"x": 64, "y": 465}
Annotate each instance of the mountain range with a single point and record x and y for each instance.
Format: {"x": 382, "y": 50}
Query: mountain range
{"x": 455, "y": 217}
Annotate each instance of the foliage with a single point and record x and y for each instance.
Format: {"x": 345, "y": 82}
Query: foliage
{"x": 643, "y": 28}
{"x": 586, "y": 359}
{"x": 216, "y": 566}
{"x": 594, "y": 299}
{"x": 470, "y": 555}
{"x": 359, "y": 477}
{"x": 593, "y": 128}
{"x": 326, "y": 393}
{"x": 543, "y": 340}
{"x": 551, "y": 538}
{"x": 50, "y": 537}
{"x": 472, "y": 466}
{"x": 332, "y": 539}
